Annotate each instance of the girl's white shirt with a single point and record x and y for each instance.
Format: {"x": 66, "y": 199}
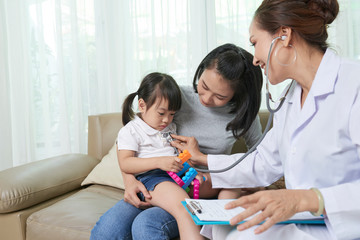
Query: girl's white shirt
{"x": 145, "y": 141}
{"x": 317, "y": 145}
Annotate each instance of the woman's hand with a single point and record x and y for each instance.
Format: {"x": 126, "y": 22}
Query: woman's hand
{"x": 132, "y": 188}
{"x": 201, "y": 177}
{"x": 172, "y": 164}
{"x": 190, "y": 144}
{"x": 272, "y": 206}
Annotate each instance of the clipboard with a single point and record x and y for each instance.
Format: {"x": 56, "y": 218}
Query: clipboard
{"x": 310, "y": 221}
{"x": 199, "y": 222}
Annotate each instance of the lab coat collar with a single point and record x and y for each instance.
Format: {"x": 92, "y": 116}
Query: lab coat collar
{"x": 323, "y": 84}
{"x": 325, "y": 78}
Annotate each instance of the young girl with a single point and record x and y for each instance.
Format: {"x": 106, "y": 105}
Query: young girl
{"x": 144, "y": 151}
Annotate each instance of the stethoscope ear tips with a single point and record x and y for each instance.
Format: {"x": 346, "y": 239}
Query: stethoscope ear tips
{"x": 283, "y": 37}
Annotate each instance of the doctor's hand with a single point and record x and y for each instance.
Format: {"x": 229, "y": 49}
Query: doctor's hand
{"x": 190, "y": 144}
{"x": 272, "y": 206}
{"x": 132, "y": 187}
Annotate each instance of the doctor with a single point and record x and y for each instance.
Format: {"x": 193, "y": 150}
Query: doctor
{"x": 315, "y": 139}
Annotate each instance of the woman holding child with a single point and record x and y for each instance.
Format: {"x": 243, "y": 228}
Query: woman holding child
{"x": 221, "y": 106}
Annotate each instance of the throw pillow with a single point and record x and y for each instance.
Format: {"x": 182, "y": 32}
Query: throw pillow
{"x": 107, "y": 172}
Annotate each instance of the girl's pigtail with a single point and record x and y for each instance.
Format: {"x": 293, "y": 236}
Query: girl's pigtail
{"x": 127, "y": 111}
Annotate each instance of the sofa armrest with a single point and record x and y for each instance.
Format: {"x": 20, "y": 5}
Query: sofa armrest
{"x": 30, "y": 184}
{"x": 103, "y": 129}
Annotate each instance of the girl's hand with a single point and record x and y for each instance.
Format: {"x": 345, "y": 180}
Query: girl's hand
{"x": 272, "y": 206}
{"x": 171, "y": 163}
{"x": 190, "y": 144}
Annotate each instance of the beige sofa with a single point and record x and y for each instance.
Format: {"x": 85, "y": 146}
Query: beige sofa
{"x": 45, "y": 199}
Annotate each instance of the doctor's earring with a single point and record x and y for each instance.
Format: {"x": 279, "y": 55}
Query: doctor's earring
{"x": 285, "y": 56}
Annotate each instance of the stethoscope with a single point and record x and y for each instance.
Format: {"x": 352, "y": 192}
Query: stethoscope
{"x": 271, "y": 110}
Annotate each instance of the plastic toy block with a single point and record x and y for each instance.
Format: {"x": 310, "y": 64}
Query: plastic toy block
{"x": 196, "y": 189}
{"x": 176, "y": 178}
{"x": 186, "y": 166}
{"x": 188, "y": 174}
{"x": 184, "y": 156}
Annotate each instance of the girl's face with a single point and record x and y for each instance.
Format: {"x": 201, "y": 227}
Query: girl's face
{"x": 213, "y": 89}
{"x": 261, "y": 40}
{"x": 157, "y": 116}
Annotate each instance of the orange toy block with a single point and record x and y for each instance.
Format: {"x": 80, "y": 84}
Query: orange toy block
{"x": 184, "y": 156}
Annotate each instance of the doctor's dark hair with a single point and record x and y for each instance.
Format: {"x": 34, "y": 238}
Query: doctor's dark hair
{"x": 154, "y": 85}
{"x": 309, "y": 19}
{"x": 234, "y": 64}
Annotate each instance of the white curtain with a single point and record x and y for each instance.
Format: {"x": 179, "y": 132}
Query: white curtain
{"x": 62, "y": 60}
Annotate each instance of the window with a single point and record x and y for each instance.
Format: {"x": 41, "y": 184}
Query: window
{"x": 65, "y": 60}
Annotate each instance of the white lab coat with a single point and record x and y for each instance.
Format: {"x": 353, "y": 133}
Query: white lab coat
{"x": 317, "y": 145}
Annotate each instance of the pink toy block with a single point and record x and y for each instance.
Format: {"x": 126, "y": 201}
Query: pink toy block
{"x": 196, "y": 189}
{"x": 176, "y": 178}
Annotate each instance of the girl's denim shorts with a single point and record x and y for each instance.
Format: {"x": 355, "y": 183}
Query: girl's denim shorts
{"x": 152, "y": 178}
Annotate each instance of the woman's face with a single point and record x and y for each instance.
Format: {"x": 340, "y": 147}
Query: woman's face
{"x": 213, "y": 89}
{"x": 261, "y": 40}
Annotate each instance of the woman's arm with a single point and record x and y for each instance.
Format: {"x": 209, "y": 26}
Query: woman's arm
{"x": 132, "y": 188}
{"x": 134, "y": 165}
{"x": 341, "y": 201}
{"x": 246, "y": 169}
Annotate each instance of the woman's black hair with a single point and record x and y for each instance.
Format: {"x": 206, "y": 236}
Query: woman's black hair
{"x": 153, "y": 85}
{"x": 234, "y": 64}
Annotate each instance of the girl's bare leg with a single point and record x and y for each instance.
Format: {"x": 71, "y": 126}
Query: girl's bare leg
{"x": 206, "y": 191}
{"x": 168, "y": 196}
{"x": 230, "y": 193}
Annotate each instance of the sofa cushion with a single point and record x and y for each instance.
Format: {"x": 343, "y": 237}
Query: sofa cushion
{"x": 36, "y": 182}
{"x": 107, "y": 172}
{"x": 73, "y": 217}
